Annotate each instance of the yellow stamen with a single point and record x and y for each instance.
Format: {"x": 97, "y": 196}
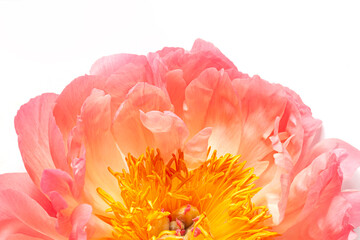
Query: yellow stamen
{"x": 210, "y": 202}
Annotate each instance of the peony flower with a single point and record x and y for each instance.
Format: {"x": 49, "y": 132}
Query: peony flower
{"x": 176, "y": 145}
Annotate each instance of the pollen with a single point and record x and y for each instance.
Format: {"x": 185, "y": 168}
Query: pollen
{"x": 170, "y": 201}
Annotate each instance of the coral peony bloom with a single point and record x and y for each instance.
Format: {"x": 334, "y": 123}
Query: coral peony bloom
{"x": 176, "y": 145}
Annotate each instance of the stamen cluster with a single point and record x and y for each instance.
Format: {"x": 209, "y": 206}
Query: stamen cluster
{"x": 169, "y": 201}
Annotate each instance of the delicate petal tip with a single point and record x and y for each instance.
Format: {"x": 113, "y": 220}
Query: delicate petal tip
{"x": 79, "y": 219}
{"x": 108, "y": 65}
{"x": 196, "y": 148}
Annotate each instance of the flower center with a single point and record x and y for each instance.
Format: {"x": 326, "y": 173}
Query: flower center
{"x": 169, "y": 201}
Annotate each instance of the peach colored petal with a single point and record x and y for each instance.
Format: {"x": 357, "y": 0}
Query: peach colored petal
{"x": 101, "y": 151}
{"x": 315, "y": 195}
{"x": 126, "y": 76}
{"x": 169, "y": 131}
{"x": 211, "y": 102}
{"x": 57, "y": 146}
{"x": 196, "y": 148}
{"x": 277, "y": 141}
{"x": 79, "y": 218}
{"x": 203, "y": 55}
{"x": 32, "y": 128}
{"x": 21, "y": 236}
{"x": 69, "y": 102}
{"x": 175, "y": 86}
{"x": 13, "y": 218}
{"x": 108, "y": 65}
{"x": 260, "y": 104}
{"x": 130, "y": 134}
{"x": 22, "y": 182}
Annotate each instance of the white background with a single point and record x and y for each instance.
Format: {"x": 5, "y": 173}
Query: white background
{"x": 313, "y": 47}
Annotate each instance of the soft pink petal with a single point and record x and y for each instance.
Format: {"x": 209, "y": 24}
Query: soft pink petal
{"x": 350, "y": 163}
{"x": 127, "y": 76}
{"x": 169, "y": 131}
{"x": 175, "y": 86}
{"x": 108, "y": 65}
{"x": 261, "y": 102}
{"x": 32, "y": 127}
{"x": 100, "y": 148}
{"x": 316, "y": 207}
{"x": 130, "y": 134}
{"x": 57, "y": 147}
{"x": 34, "y": 222}
{"x": 20, "y": 236}
{"x": 79, "y": 218}
{"x": 203, "y": 55}
{"x": 22, "y": 182}
{"x": 196, "y": 148}
{"x": 211, "y": 102}
{"x": 69, "y": 102}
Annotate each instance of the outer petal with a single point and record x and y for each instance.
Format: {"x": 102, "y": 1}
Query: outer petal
{"x": 203, "y": 55}
{"x": 14, "y": 220}
{"x": 21, "y": 182}
{"x": 315, "y": 198}
{"x": 32, "y": 127}
{"x": 108, "y": 65}
{"x": 69, "y": 102}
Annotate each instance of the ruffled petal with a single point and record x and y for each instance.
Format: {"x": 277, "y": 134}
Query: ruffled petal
{"x": 32, "y": 128}
{"x": 316, "y": 206}
{"x": 203, "y": 55}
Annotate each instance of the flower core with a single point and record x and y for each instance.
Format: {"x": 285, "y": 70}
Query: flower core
{"x": 168, "y": 201}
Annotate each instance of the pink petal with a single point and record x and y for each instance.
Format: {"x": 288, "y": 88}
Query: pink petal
{"x": 316, "y": 206}
{"x": 21, "y": 236}
{"x": 127, "y": 76}
{"x": 196, "y": 148}
{"x": 130, "y": 134}
{"x": 108, "y": 65}
{"x": 100, "y": 148}
{"x": 169, "y": 131}
{"x": 175, "y": 85}
{"x": 203, "y": 55}
{"x": 22, "y": 182}
{"x": 57, "y": 147}
{"x": 261, "y": 103}
{"x": 69, "y": 102}
{"x": 34, "y": 221}
{"x": 211, "y": 102}
{"x": 79, "y": 218}
{"x": 31, "y": 124}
